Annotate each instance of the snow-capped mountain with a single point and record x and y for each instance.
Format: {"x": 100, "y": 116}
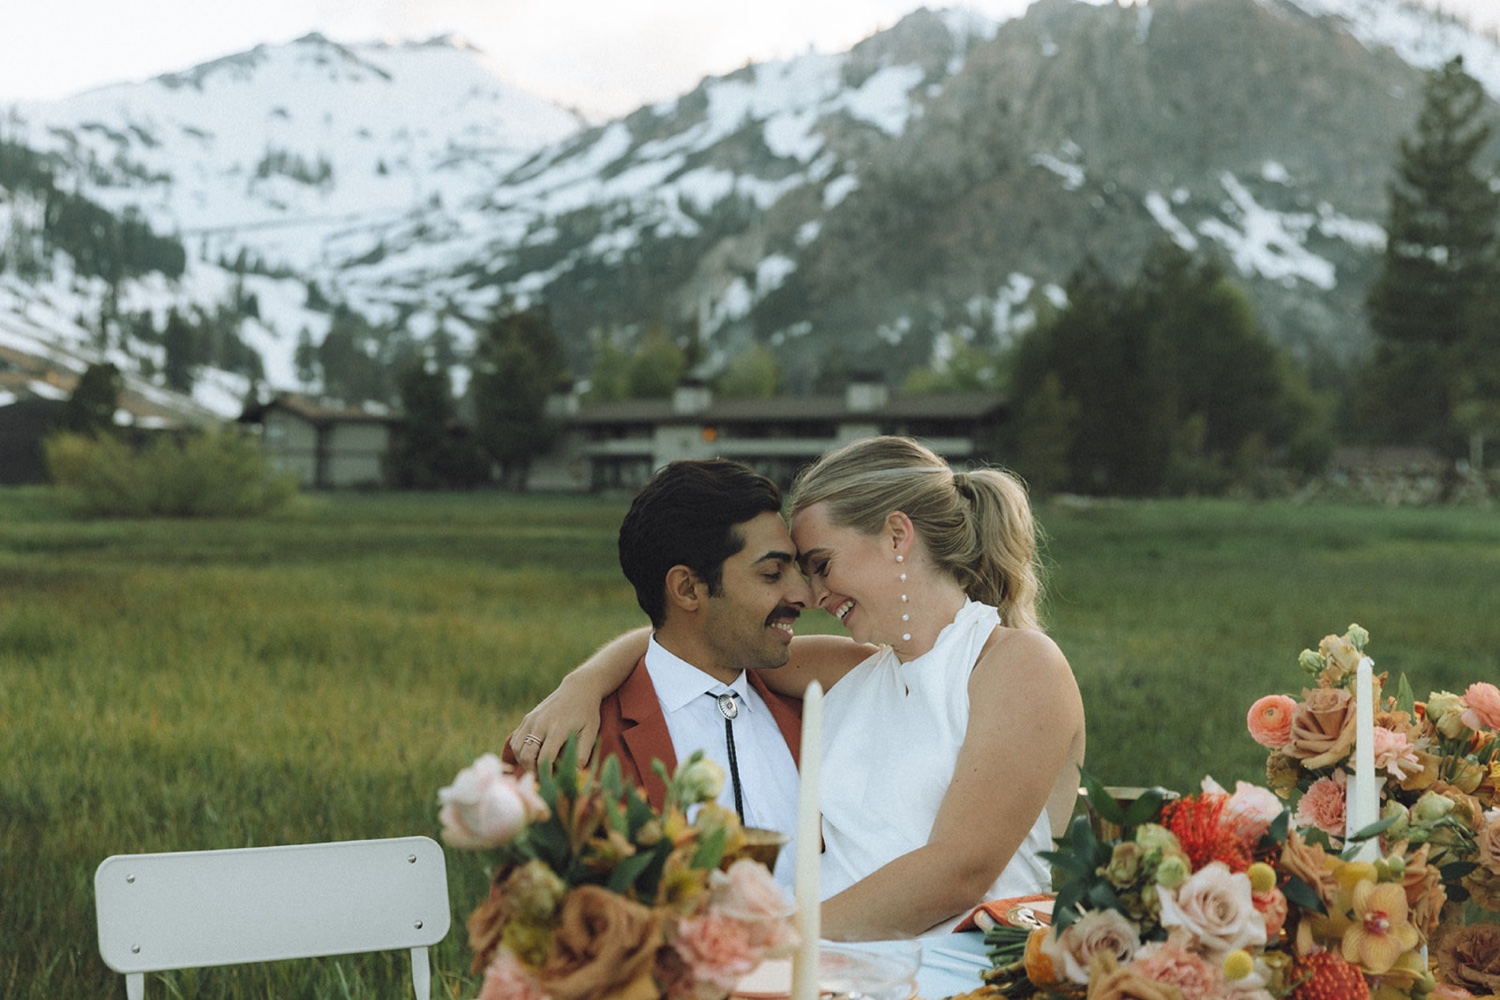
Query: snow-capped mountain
{"x": 940, "y": 180}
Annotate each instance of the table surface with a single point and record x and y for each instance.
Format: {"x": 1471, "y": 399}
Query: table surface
{"x": 951, "y": 963}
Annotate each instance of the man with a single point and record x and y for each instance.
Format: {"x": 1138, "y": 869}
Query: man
{"x": 714, "y": 569}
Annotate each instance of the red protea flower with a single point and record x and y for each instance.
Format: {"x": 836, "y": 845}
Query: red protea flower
{"x": 1198, "y": 823}
{"x": 1324, "y": 975}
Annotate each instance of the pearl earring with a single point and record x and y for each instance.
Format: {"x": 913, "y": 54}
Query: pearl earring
{"x": 905, "y": 636}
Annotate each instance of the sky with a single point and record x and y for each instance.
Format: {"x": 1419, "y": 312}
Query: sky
{"x": 602, "y": 56}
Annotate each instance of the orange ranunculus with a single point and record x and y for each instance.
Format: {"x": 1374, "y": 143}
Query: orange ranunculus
{"x": 1270, "y": 720}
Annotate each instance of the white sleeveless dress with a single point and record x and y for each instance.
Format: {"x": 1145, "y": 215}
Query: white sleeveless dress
{"x": 889, "y": 755}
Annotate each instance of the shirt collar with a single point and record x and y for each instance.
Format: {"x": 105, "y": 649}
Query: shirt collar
{"x": 678, "y": 682}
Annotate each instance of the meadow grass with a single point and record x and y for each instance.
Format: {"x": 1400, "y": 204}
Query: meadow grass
{"x": 318, "y": 674}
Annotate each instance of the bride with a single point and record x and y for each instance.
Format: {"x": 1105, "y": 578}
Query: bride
{"x": 953, "y": 727}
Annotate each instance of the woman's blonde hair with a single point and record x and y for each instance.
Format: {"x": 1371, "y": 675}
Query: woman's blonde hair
{"x": 977, "y": 525}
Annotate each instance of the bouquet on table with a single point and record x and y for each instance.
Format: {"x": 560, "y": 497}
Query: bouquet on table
{"x": 597, "y": 896}
{"x": 1215, "y": 896}
{"x": 1438, "y": 779}
{"x": 1245, "y": 896}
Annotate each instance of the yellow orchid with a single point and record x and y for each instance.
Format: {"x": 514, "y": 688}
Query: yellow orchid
{"x": 1381, "y": 931}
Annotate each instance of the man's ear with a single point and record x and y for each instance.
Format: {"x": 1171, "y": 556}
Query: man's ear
{"x": 684, "y": 590}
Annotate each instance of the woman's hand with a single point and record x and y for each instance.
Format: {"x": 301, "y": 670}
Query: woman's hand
{"x": 572, "y": 708}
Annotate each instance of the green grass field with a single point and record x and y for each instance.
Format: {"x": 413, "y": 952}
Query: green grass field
{"x": 177, "y": 685}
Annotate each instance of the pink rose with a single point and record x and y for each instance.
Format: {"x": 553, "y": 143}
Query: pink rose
{"x": 1270, "y": 721}
{"x": 1096, "y": 932}
{"x": 1215, "y": 906}
{"x": 747, "y": 893}
{"x": 507, "y": 978}
{"x": 486, "y": 805}
{"x": 718, "y": 949}
{"x": 1323, "y": 805}
{"x": 1481, "y": 707}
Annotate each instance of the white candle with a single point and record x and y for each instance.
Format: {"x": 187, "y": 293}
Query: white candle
{"x": 1362, "y": 802}
{"x": 809, "y": 841}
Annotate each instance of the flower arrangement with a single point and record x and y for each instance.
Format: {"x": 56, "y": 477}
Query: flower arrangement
{"x": 1215, "y": 896}
{"x": 1438, "y": 779}
{"x": 597, "y": 896}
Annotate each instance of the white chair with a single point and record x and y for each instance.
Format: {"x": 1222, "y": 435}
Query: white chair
{"x": 262, "y": 904}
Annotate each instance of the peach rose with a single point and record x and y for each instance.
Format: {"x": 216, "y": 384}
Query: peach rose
{"x": 1109, "y": 980}
{"x": 1215, "y": 906}
{"x": 1098, "y": 931}
{"x": 1470, "y": 957}
{"x": 718, "y": 949}
{"x": 1270, "y": 720}
{"x": 1322, "y": 728}
{"x": 1487, "y": 844}
{"x": 1273, "y": 906}
{"x": 1323, "y": 805}
{"x": 1482, "y": 707}
{"x": 1174, "y": 962}
{"x": 487, "y": 805}
{"x": 507, "y": 978}
{"x": 604, "y": 948}
{"x": 747, "y": 893}
{"x": 1311, "y": 864}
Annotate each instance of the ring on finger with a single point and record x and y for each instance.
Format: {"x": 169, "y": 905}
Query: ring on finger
{"x": 531, "y": 738}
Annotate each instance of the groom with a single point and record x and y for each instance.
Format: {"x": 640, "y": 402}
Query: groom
{"x": 715, "y": 570}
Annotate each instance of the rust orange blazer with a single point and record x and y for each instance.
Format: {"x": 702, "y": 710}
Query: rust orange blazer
{"x": 632, "y": 727}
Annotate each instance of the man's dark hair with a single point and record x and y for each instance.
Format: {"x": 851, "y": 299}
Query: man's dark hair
{"x": 689, "y": 514}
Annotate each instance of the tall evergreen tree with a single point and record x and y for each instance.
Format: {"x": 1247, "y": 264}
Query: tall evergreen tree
{"x": 518, "y": 364}
{"x": 91, "y": 408}
{"x": 1439, "y": 259}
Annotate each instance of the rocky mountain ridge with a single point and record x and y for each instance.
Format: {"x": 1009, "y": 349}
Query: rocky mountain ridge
{"x": 938, "y": 182}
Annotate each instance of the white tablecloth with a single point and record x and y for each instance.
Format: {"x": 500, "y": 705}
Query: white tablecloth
{"x": 951, "y": 963}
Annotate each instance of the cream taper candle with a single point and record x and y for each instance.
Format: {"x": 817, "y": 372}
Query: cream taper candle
{"x": 809, "y": 841}
{"x": 1362, "y": 803}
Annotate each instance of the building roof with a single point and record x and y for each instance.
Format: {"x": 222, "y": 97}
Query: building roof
{"x": 318, "y": 411}
{"x": 792, "y": 409}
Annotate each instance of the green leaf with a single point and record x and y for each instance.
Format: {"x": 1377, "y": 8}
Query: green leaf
{"x": 610, "y": 781}
{"x": 1065, "y": 908}
{"x": 1406, "y": 701}
{"x": 1455, "y": 870}
{"x": 1068, "y": 862}
{"x": 1145, "y": 808}
{"x": 710, "y": 850}
{"x": 1101, "y": 803}
{"x": 1102, "y": 896}
{"x": 566, "y": 768}
{"x": 1279, "y": 827}
{"x": 1375, "y": 829}
{"x": 626, "y": 872}
{"x": 1299, "y": 893}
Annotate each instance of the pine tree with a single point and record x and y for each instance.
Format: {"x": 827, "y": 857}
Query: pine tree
{"x": 1439, "y": 259}
{"x": 516, "y": 368}
{"x": 90, "y": 410}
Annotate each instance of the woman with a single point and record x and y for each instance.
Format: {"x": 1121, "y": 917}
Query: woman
{"x": 954, "y": 729}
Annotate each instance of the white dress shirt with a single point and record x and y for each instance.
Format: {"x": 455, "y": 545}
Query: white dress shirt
{"x": 768, "y": 775}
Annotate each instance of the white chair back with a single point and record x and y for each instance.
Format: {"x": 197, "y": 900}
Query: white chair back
{"x": 192, "y": 909}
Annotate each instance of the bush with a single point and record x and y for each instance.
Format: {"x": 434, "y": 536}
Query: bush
{"x": 207, "y": 475}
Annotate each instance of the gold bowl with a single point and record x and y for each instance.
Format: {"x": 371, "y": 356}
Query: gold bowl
{"x": 760, "y": 845}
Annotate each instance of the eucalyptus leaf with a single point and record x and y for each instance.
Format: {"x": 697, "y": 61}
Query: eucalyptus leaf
{"x": 1300, "y": 894}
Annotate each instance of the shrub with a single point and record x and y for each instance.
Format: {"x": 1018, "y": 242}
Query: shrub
{"x": 206, "y": 475}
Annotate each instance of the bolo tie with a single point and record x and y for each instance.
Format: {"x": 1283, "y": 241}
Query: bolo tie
{"x": 730, "y": 709}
